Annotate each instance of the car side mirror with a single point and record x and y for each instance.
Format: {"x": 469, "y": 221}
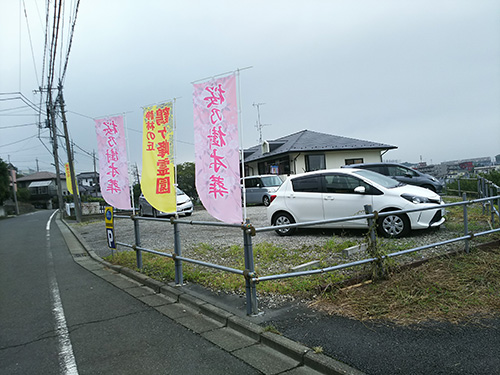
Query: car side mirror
{"x": 360, "y": 190}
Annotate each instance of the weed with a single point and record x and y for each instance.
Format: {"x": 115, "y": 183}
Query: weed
{"x": 317, "y": 349}
{"x": 464, "y": 287}
{"x": 272, "y": 329}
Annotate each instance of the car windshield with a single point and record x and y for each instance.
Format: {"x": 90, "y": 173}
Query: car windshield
{"x": 271, "y": 181}
{"x": 378, "y": 178}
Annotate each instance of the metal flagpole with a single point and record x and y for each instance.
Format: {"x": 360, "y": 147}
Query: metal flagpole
{"x": 175, "y": 141}
{"x": 242, "y": 153}
{"x": 131, "y": 186}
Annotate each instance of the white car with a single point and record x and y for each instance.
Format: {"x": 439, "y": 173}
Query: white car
{"x": 338, "y": 193}
{"x": 184, "y": 206}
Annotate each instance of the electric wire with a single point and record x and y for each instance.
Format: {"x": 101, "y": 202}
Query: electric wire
{"x": 22, "y": 140}
{"x": 31, "y": 42}
{"x": 18, "y": 126}
{"x": 70, "y": 41}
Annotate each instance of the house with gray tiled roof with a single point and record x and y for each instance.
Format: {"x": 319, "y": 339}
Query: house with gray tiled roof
{"x": 308, "y": 150}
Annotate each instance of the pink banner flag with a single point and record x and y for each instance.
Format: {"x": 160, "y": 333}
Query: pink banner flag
{"x": 217, "y": 148}
{"x": 113, "y": 167}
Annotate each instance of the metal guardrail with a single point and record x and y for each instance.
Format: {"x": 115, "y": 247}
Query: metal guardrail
{"x": 251, "y": 278}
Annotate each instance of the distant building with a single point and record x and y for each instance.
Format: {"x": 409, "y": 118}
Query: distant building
{"x": 475, "y": 162}
{"x": 42, "y": 187}
{"x": 436, "y": 170}
{"x": 88, "y": 184}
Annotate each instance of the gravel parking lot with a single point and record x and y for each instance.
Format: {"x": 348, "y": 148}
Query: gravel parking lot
{"x": 158, "y": 235}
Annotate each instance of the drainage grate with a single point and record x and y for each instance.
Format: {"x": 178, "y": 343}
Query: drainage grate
{"x": 80, "y": 255}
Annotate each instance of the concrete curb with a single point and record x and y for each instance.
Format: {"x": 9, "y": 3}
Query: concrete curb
{"x": 299, "y": 353}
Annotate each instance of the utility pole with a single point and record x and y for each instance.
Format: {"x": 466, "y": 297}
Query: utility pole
{"x": 95, "y": 174}
{"x": 259, "y": 126}
{"x": 52, "y": 120}
{"x": 13, "y": 178}
{"x": 76, "y": 200}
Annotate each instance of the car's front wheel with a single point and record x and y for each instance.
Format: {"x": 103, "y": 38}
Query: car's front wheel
{"x": 394, "y": 226}
{"x": 284, "y": 219}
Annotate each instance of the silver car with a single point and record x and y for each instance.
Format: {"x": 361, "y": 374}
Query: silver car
{"x": 184, "y": 206}
{"x": 260, "y": 188}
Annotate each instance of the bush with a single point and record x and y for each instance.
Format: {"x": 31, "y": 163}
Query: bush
{"x": 23, "y": 195}
{"x": 493, "y": 176}
{"x": 467, "y": 185}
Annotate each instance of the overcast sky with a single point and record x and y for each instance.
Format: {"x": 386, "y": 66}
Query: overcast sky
{"x": 420, "y": 75}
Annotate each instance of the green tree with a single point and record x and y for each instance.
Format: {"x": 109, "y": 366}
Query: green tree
{"x": 186, "y": 179}
{"x": 23, "y": 194}
{"x": 5, "y": 189}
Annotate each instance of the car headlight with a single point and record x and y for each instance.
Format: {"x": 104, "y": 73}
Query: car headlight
{"x": 415, "y": 198}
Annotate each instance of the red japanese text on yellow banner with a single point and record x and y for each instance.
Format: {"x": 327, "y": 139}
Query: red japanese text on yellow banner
{"x": 157, "y": 181}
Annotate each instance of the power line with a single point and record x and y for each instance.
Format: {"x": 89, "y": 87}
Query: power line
{"x": 23, "y": 98}
{"x": 18, "y": 126}
{"x": 13, "y": 109}
{"x": 70, "y": 41}
{"x": 31, "y": 43}
{"x": 13, "y": 143}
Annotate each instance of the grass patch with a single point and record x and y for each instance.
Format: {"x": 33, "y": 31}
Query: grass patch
{"x": 268, "y": 259}
{"x": 456, "y": 289}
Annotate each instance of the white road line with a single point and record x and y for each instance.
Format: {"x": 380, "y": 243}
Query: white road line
{"x": 47, "y": 227}
{"x": 66, "y": 357}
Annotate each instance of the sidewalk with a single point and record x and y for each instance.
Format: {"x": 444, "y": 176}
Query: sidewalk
{"x": 223, "y": 323}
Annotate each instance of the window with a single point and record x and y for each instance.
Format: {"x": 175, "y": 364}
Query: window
{"x": 340, "y": 184}
{"x": 309, "y": 184}
{"x": 251, "y": 182}
{"x": 380, "y": 169}
{"x": 354, "y": 161}
{"x": 315, "y": 162}
{"x": 283, "y": 165}
{"x": 400, "y": 171}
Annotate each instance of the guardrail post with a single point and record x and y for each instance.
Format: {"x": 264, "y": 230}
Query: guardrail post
{"x": 466, "y": 223}
{"x": 179, "y": 278}
{"x": 492, "y": 207}
{"x": 251, "y": 291}
{"x": 372, "y": 244}
{"x": 137, "y": 233}
{"x": 498, "y": 205}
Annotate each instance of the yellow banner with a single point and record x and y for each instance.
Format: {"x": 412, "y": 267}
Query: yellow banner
{"x": 157, "y": 180}
{"x": 69, "y": 185}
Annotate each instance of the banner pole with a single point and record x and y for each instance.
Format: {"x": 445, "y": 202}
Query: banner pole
{"x": 175, "y": 142}
{"x": 130, "y": 186}
{"x": 242, "y": 153}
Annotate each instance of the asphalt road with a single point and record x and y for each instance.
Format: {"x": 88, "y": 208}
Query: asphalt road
{"x": 58, "y": 318}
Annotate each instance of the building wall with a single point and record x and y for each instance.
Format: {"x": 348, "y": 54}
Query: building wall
{"x": 336, "y": 159}
{"x": 333, "y": 159}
